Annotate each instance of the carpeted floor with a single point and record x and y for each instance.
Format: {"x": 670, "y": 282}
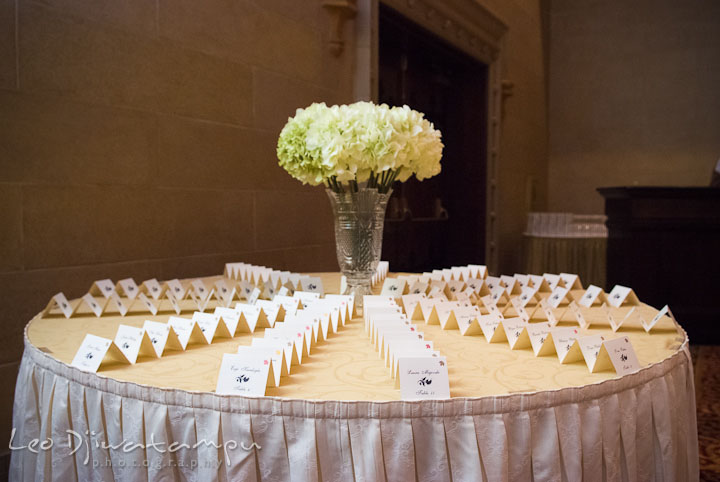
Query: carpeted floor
{"x": 706, "y": 359}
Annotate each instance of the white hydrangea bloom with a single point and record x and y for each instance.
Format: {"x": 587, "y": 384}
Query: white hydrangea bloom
{"x": 349, "y": 142}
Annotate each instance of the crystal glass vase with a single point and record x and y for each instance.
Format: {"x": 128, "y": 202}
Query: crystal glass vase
{"x": 359, "y": 218}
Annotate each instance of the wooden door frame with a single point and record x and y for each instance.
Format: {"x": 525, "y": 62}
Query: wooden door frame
{"x": 471, "y": 28}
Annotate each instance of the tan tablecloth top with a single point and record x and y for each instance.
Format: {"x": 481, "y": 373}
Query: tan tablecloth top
{"x": 347, "y": 366}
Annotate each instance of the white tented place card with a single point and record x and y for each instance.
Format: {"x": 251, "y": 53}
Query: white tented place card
{"x": 558, "y": 295}
{"x": 104, "y": 287}
{"x": 529, "y": 296}
{"x": 268, "y": 355}
{"x": 251, "y": 316}
{"x": 245, "y": 289}
{"x": 520, "y": 310}
{"x": 254, "y": 296}
{"x": 134, "y": 342}
{"x": 393, "y": 341}
{"x": 128, "y": 288}
{"x": 120, "y": 305}
{"x": 369, "y": 314}
{"x": 523, "y": 280}
{"x": 566, "y": 346}
{"x": 477, "y": 271}
{"x": 508, "y": 281}
{"x": 408, "y": 348}
{"x": 149, "y": 304}
{"x": 593, "y": 295}
{"x": 590, "y": 348}
{"x": 255, "y": 274}
{"x": 272, "y": 311}
{"x": 288, "y": 303}
{"x": 411, "y": 305}
{"x": 492, "y": 282}
{"x": 578, "y": 314}
{"x": 211, "y": 326}
{"x": 201, "y": 301}
{"x": 477, "y": 286}
{"x": 306, "y": 297}
{"x": 370, "y": 301}
{"x": 390, "y": 328}
{"x": 540, "y": 340}
{"x": 244, "y": 374}
{"x": 445, "y": 317}
{"x": 275, "y": 281}
{"x": 177, "y": 289}
{"x": 418, "y": 288}
{"x": 174, "y": 302}
{"x": 464, "y": 295}
{"x": 383, "y": 268}
{"x": 95, "y": 305}
{"x": 343, "y": 285}
{"x": 393, "y": 287}
{"x": 269, "y": 292}
{"x": 490, "y": 305}
{"x": 618, "y": 354}
{"x": 424, "y": 378}
{"x": 312, "y": 284}
{"x": 162, "y": 337}
{"x": 233, "y": 319}
{"x": 454, "y": 288}
{"x": 468, "y": 323}
{"x": 153, "y": 288}
{"x": 279, "y": 364}
{"x": 491, "y": 327}
{"x": 466, "y": 320}
{"x": 310, "y": 324}
{"x": 187, "y": 331}
{"x": 540, "y": 284}
{"x": 225, "y": 293}
{"x": 621, "y": 295}
{"x": 293, "y": 333}
{"x": 614, "y": 324}
{"x": 94, "y": 351}
{"x": 334, "y": 309}
{"x": 376, "y": 320}
{"x": 516, "y": 333}
{"x": 664, "y": 311}
{"x": 288, "y": 345}
{"x": 294, "y": 280}
{"x": 437, "y": 286}
{"x": 349, "y": 301}
{"x": 437, "y": 294}
{"x": 553, "y": 280}
{"x": 571, "y": 281}
{"x": 233, "y": 270}
{"x": 429, "y": 310}
{"x": 325, "y": 318}
{"x": 548, "y": 312}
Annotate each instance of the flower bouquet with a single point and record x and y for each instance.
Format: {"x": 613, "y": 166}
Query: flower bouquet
{"x": 357, "y": 151}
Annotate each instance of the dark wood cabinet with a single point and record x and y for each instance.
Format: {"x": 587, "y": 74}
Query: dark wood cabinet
{"x": 664, "y": 242}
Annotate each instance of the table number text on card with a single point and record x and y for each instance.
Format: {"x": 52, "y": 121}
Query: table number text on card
{"x": 424, "y": 378}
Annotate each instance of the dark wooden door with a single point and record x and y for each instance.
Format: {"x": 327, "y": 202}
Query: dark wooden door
{"x": 438, "y": 222}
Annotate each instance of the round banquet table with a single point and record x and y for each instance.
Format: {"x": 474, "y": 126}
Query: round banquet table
{"x": 512, "y": 416}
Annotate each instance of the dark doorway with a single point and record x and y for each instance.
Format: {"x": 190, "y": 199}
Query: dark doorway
{"x": 438, "y": 222}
